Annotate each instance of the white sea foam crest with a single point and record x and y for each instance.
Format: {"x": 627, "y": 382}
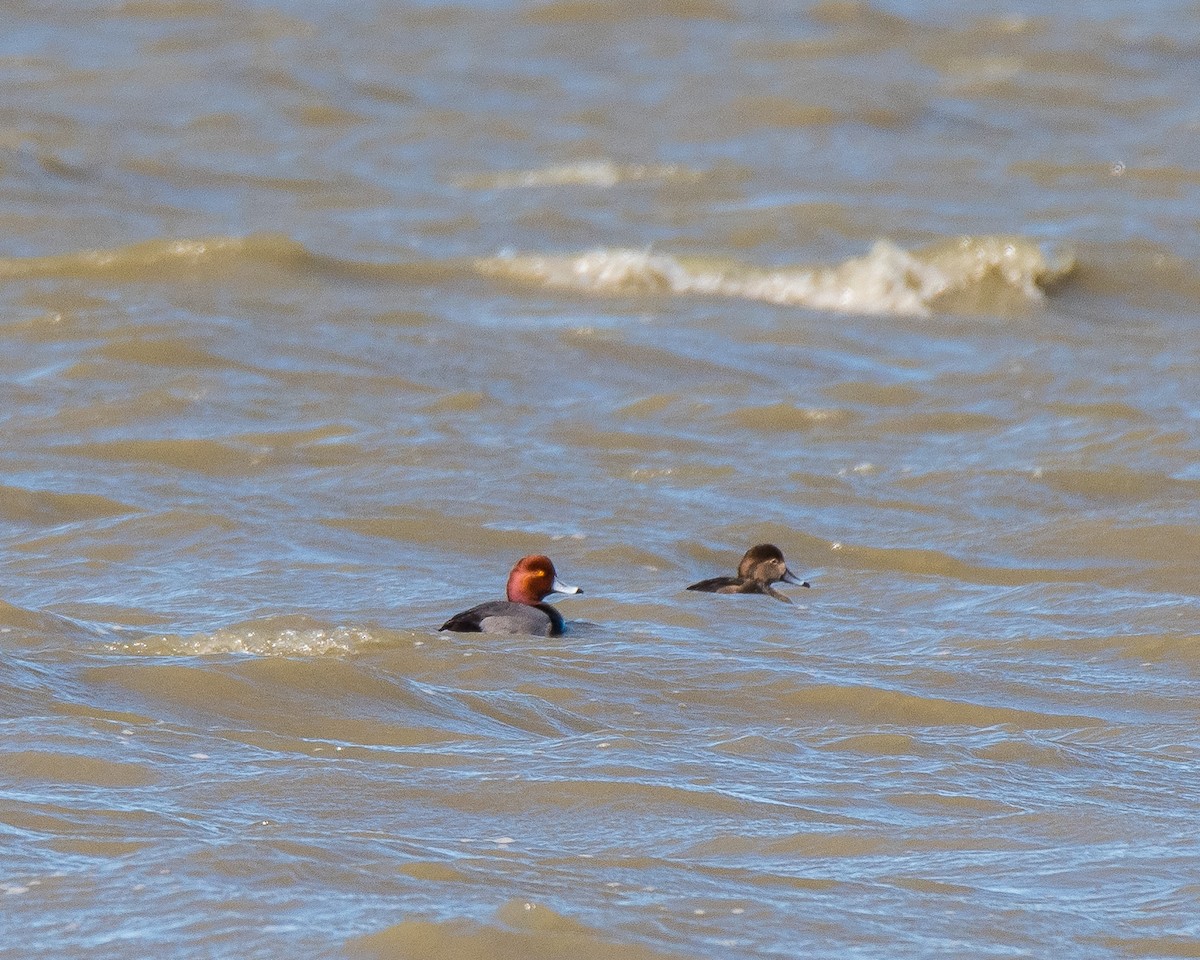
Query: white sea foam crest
{"x": 588, "y": 173}
{"x": 253, "y": 640}
{"x": 887, "y": 280}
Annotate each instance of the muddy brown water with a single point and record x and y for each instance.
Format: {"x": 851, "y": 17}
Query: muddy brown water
{"x": 314, "y": 317}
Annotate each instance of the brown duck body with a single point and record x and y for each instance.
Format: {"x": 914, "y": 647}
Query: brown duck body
{"x": 761, "y": 566}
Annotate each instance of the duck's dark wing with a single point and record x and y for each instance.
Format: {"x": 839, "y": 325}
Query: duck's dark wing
{"x": 738, "y": 585}
{"x": 719, "y": 585}
{"x": 468, "y": 621}
{"x": 504, "y": 616}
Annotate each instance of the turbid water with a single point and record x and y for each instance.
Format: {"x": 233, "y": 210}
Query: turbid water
{"x": 314, "y": 317}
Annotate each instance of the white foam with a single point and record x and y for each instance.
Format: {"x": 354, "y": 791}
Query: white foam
{"x": 886, "y": 280}
{"x": 588, "y": 173}
{"x": 255, "y": 640}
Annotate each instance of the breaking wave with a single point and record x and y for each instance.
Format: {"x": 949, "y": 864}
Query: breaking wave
{"x": 165, "y": 258}
{"x": 274, "y": 637}
{"x": 981, "y": 274}
{"x": 887, "y": 280}
{"x": 591, "y": 173}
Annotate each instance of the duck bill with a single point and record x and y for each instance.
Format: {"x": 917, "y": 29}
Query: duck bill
{"x": 559, "y": 587}
{"x": 789, "y": 577}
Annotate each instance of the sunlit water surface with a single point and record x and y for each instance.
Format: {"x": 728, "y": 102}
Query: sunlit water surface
{"x": 314, "y": 317}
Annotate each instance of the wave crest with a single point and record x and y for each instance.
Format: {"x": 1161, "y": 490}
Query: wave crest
{"x": 138, "y": 259}
{"x": 590, "y": 173}
{"x": 167, "y": 258}
{"x": 886, "y": 280}
{"x": 274, "y": 637}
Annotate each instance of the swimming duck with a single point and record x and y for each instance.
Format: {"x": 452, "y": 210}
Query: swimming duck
{"x": 530, "y": 581}
{"x": 762, "y": 566}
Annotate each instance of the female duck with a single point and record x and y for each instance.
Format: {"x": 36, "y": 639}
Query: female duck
{"x": 531, "y": 580}
{"x": 762, "y": 566}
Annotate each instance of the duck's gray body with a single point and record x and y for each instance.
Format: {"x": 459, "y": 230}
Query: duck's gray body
{"x": 504, "y": 616}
